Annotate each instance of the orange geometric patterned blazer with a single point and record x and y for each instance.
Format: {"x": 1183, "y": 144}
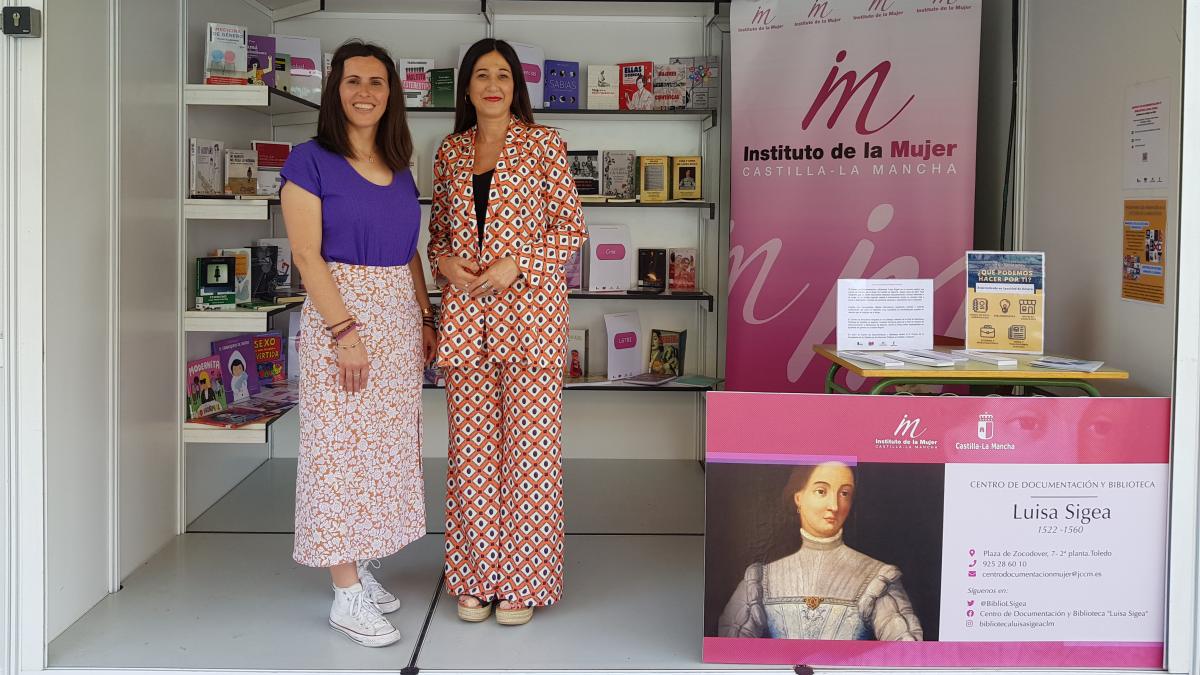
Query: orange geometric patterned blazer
{"x": 534, "y": 216}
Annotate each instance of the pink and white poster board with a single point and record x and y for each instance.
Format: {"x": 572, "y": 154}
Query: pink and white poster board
{"x": 954, "y": 531}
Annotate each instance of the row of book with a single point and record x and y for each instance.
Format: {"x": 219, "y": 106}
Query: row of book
{"x": 606, "y": 264}
{"x": 243, "y": 380}
{"x": 666, "y": 355}
{"x": 625, "y": 176}
{"x": 257, "y": 276}
{"x": 215, "y": 170}
{"x": 298, "y": 65}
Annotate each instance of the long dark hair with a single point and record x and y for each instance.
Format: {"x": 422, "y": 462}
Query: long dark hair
{"x": 393, "y": 141}
{"x": 464, "y": 110}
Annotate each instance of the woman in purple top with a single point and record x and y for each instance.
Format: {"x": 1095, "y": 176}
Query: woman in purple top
{"x": 353, "y": 219}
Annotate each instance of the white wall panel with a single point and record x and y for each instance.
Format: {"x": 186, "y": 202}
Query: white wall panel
{"x": 150, "y": 157}
{"x": 1082, "y": 61}
{"x": 78, "y": 334}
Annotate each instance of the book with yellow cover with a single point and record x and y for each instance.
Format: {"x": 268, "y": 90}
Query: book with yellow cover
{"x": 652, "y": 178}
{"x": 685, "y": 177}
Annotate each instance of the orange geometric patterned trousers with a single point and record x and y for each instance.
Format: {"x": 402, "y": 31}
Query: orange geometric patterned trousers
{"x": 504, "y": 497}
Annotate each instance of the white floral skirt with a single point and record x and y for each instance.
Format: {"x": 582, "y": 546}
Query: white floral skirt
{"x": 360, "y": 492}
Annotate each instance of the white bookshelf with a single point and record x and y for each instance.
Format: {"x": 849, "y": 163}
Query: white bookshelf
{"x": 232, "y": 320}
{"x": 226, "y": 209}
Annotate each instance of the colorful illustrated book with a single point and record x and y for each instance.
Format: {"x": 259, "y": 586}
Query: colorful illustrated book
{"x": 306, "y": 65}
{"x": 667, "y": 352}
{"x": 260, "y": 60}
{"x": 682, "y": 274}
{"x": 239, "y": 366}
{"x": 670, "y": 86}
{"x": 216, "y": 282}
{"x": 414, "y": 76}
{"x": 702, "y": 76}
{"x": 225, "y": 54}
{"x": 241, "y": 272}
{"x": 204, "y": 387}
{"x": 562, "y": 85}
{"x": 270, "y": 357}
{"x": 575, "y": 363}
{"x": 637, "y": 85}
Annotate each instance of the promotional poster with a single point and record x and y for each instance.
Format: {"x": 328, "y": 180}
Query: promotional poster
{"x": 1006, "y": 301}
{"x": 936, "y": 532}
{"x": 1144, "y": 254}
{"x": 858, "y": 165}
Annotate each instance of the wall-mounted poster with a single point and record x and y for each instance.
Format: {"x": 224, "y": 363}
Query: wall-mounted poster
{"x": 1144, "y": 250}
{"x": 886, "y": 531}
{"x": 1006, "y": 301}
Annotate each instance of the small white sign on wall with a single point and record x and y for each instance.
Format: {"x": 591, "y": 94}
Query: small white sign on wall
{"x": 1144, "y": 136}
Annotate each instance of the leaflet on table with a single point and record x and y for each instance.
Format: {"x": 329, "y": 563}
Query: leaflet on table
{"x": 1006, "y": 301}
{"x": 936, "y": 532}
{"x": 985, "y": 357}
{"x": 1062, "y": 363}
{"x": 924, "y": 357}
{"x": 874, "y": 358}
{"x": 885, "y": 314}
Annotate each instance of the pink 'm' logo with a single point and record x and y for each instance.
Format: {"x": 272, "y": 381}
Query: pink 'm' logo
{"x": 880, "y": 5}
{"x": 610, "y": 252}
{"x": 532, "y": 71}
{"x": 820, "y": 10}
{"x": 763, "y": 17}
{"x": 850, "y": 85}
{"x": 626, "y": 340}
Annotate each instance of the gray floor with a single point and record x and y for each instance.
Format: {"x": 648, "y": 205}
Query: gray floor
{"x": 656, "y": 497}
{"x": 233, "y": 599}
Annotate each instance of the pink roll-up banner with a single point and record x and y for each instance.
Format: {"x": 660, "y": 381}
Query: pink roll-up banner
{"x": 853, "y": 157}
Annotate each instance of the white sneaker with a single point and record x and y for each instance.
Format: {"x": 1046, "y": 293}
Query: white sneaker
{"x": 355, "y": 616}
{"x": 376, "y": 593}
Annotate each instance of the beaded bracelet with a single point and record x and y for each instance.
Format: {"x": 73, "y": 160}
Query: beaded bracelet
{"x": 334, "y": 327}
{"x": 343, "y": 332}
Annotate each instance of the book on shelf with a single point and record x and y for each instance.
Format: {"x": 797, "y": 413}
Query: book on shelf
{"x": 216, "y": 282}
{"x": 585, "y": 169}
{"x": 206, "y": 175}
{"x": 306, "y": 65}
{"x": 594, "y": 199}
{"x": 561, "y": 91}
{"x": 652, "y": 269}
{"x": 624, "y": 345}
{"x": 283, "y": 260}
{"x": 295, "y": 321}
{"x": 618, "y": 172}
{"x": 603, "y": 87}
{"x": 650, "y": 379}
{"x": 637, "y": 85}
{"x": 608, "y": 264}
{"x": 681, "y": 273}
{"x": 328, "y": 63}
{"x": 270, "y": 357}
{"x": 698, "y": 380}
{"x": 241, "y": 272}
{"x": 670, "y": 85}
{"x": 272, "y": 155}
{"x": 225, "y": 54}
{"x": 533, "y": 58}
{"x": 653, "y": 185}
{"x": 1063, "y": 363}
{"x": 575, "y": 363}
{"x": 239, "y": 366}
{"x": 441, "y": 87}
{"x": 264, "y": 263}
{"x": 204, "y": 387}
{"x": 260, "y": 60}
{"x": 702, "y": 76}
{"x": 414, "y": 78}
{"x": 283, "y": 72}
{"x": 667, "y": 350}
{"x": 685, "y": 177}
{"x": 233, "y": 418}
{"x": 275, "y": 398}
{"x": 284, "y": 295}
{"x": 241, "y": 172}
{"x": 573, "y": 271}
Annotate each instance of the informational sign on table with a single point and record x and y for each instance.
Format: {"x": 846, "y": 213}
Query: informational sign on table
{"x": 1144, "y": 250}
{"x": 1147, "y": 121}
{"x": 888, "y": 531}
{"x": 885, "y": 314}
{"x": 1006, "y": 301}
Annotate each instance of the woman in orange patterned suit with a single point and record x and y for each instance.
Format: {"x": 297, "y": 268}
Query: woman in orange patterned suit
{"x": 505, "y": 220}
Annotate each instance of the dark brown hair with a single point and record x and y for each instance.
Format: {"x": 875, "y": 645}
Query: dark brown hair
{"x": 797, "y": 481}
{"x": 464, "y": 110}
{"x": 393, "y": 141}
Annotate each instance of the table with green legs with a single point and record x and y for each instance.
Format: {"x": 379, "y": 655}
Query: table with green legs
{"x": 969, "y": 373}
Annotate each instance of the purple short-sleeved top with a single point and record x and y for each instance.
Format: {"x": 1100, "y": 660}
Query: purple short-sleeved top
{"x": 361, "y": 223}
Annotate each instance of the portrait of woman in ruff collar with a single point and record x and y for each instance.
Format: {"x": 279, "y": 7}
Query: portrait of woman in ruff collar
{"x": 824, "y": 589}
